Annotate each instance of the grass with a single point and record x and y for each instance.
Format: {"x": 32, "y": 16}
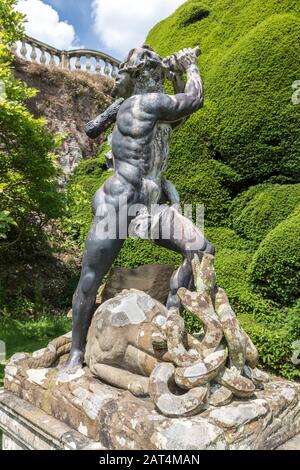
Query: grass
{"x": 29, "y": 335}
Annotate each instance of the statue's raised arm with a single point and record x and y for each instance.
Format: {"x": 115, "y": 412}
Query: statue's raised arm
{"x": 181, "y": 105}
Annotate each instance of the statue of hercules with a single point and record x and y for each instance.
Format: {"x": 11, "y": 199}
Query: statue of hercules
{"x": 144, "y": 117}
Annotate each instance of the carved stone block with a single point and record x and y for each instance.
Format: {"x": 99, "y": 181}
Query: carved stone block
{"x": 82, "y": 407}
{"x": 154, "y": 279}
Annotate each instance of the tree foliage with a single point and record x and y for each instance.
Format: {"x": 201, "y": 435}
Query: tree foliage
{"x": 29, "y": 188}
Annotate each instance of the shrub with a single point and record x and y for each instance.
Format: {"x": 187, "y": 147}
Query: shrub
{"x": 260, "y": 209}
{"x": 275, "y": 270}
{"x": 199, "y": 178}
{"x": 246, "y": 136}
{"x": 249, "y": 62}
{"x": 272, "y": 328}
{"x": 233, "y": 257}
{"x": 275, "y": 343}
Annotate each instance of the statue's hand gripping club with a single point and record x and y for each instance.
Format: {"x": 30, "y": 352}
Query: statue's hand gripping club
{"x": 174, "y": 65}
{"x": 95, "y": 128}
{"x": 180, "y": 61}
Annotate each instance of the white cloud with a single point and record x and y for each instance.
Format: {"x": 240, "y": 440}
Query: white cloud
{"x": 44, "y": 24}
{"x": 123, "y": 24}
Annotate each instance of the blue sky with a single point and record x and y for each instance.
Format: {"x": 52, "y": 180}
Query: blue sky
{"x": 112, "y": 26}
{"x": 78, "y": 14}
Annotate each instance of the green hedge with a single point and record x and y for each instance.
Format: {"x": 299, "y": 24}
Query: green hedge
{"x": 249, "y": 62}
{"x": 199, "y": 178}
{"x": 274, "y": 341}
{"x": 233, "y": 258}
{"x": 246, "y": 136}
{"x": 260, "y": 209}
{"x": 272, "y": 327}
{"x": 275, "y": 270}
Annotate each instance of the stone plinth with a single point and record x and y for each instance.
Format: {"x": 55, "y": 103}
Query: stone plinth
{"x": 26, "y": 427}
{"x": 78, "y": 411}
{"x": 154, "y": 279}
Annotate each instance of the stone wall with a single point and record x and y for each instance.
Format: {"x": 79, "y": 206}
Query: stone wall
{"x": 68, "y": 100}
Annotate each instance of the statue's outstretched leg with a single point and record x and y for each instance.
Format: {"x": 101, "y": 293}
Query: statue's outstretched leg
{"x": 98, "y": 258}
{"x": 101, "y": 249}
{"x": 179, "y": 234}
{"x": 103, "y": 244}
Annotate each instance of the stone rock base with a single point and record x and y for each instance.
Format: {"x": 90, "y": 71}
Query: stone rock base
{"x": 78, "y": 411}
{"x": 26, "y": 427}
{"x": 153, "y": 279}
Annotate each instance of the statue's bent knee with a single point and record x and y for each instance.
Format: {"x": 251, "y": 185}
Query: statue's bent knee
{"x": 89, "y": 283}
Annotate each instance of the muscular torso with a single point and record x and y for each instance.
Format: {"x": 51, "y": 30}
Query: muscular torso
{"x": 140, "y": 146}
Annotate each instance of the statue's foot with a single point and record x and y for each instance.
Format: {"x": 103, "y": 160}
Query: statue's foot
{"x": 74, "y": 362}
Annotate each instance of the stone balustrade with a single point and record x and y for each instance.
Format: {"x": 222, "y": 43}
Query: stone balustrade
{"x": 86, "y": 60}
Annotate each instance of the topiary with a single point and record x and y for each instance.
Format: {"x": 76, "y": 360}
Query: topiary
{"x": 275, "y": 269}
{"x": 257, "y": 128}
{"x": 275, "y": 342}
{"x": 249, "y": 61}
{"x": 233, "y": 257}
{"x": 199, "y": 178}
{"x": 136, "y": 252}
{"x": 260, "y": 209}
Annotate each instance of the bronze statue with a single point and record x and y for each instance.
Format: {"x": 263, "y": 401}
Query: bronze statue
{"x": 145, "y": 117}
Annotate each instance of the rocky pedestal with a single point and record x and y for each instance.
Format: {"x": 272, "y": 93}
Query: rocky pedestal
{"x": 149, "y": 384}
{"x": 26, "y": 427}
{"x": 47, "y": 408}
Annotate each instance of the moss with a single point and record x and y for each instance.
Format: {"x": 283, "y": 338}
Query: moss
{"x": 260, "y": 209}
{"x": 275, "y": 270}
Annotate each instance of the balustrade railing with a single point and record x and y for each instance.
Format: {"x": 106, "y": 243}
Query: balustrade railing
{"x": 86, "y": 60}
